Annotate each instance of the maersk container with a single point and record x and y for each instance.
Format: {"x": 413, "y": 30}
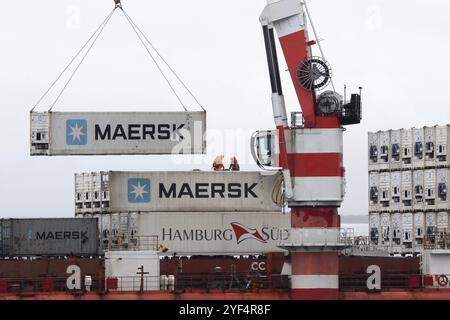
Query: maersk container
{"x": 384, "y": 154}
{"x": 178, "y": 191}
{"x": 374, "y": 195}
{"x": 395, "y": 203}
{"x": 418, "y": 148}
{"x": 430, "y": 189}
{"x": 442, "y": 145}
{"x": 117, "y": 133}
{"x": 49, "y": 237}
{"x": 407, "y": 147}
{"x": 385, "y": 191}
{"x": 396, "y": 150}
{"x": 418, "y": 190}
{"x": 406, "y": 191}
{"x": 198, "y": 233}
{"x": 373, "y": 151}
{"x": 430, "y": 146}
{"x": 442, "y": 181}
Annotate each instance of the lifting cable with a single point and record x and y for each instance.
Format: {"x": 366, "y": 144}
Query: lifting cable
{"x": 95, "y": 36}
{"x": 135, "y": 27}
{"x": 73, "y": 59}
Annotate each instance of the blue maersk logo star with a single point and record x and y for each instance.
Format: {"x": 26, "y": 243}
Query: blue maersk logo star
{"x": 138, "y": 190}
{"x": 76, "y": 132}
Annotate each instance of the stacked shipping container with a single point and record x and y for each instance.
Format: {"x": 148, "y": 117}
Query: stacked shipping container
{"x": 409, "y": 172}
{"x": 189, "y": 212}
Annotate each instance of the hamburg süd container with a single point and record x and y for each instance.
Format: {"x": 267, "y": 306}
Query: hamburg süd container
{"x": 406, "y": 191}
{"x": 395, "y": 203}
{"x": 442, "y": 145}
{"x": 418, "y": 190}
{"x": 373, "y": 192}
{"x": 176, "y": 191}
{"x": 373, "y": 151}
{"x": 197, "y": 233}
{"x": 117, "y": 133}
{"x": 49, "y": 237}
{"x": 384, "y": 154}
{"x": 430, "y": 146}
{"x": 407, "y": 147}
{"x": 396, "y": 150}
{"x": 418, "y": 148}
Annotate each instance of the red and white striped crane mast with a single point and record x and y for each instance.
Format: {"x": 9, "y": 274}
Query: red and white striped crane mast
{"x": 310, "y": 154}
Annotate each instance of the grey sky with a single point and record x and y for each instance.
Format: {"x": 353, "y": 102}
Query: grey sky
{"x": 397, "y": 50}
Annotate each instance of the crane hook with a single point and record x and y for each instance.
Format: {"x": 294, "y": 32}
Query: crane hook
{"x": 117, "y": 3}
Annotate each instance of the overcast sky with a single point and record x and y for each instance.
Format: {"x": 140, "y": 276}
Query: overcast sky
{"x": 397, "y": 50}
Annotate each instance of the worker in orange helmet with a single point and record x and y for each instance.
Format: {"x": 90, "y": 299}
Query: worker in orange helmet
{"x": 234, "y": 166}
{"x": 218, "y": 164}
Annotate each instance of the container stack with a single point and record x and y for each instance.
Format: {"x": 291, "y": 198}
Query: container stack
{"x": 409, "y": 171}
{"x": 189, "y": 213}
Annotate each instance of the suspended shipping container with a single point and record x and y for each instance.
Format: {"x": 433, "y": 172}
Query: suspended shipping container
{"x": 117, "y": 133}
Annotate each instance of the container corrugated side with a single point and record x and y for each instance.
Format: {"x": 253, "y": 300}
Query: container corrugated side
{"x": 51, "y": 237}
{"x": 202, "y": 233}
{"x": 187, "y": 191}
{"x": 117, "y": 133}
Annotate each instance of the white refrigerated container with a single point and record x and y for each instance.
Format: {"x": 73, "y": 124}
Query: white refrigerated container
{"x": 418, "y": 191}
{"x": 407, "y": 148}
{"x": 418, "y": 148}
{"x": 407, "y": 191}
{"x": 442, "y": 181}
{"x": 395, "y": 204}
{"x": 396, "y": 149}
{"x": 373, "y": 151}
{"x": 384, "y": 153}
{"x": 442, "y": 145}
{"x": 430, "y": 189}
{"x": 374, "y": 194}
{"x": 385, "y": 190}
{"x": 430, "y": 147}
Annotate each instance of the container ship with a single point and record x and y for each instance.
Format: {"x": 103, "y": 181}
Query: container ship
{"x": 227, "y": 234}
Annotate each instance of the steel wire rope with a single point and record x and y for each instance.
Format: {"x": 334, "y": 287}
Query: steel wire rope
{"x": 73, "y": 59}
{"x": 153, "y": 58}
{"x": 136, "y": 27}
{"x": 82, "y": 59}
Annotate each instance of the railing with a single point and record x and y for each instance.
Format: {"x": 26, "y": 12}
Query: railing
{"x": 239, "y": 282}
{"x": 358, "y": 282}
{"x": 141, "y": 243}
{"x": 320, "y": 237}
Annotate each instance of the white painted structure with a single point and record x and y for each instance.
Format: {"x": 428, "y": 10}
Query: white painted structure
{"x": 124, "y": 265}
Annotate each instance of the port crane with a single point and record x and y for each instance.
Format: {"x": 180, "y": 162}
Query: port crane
{"x": 309, "y": 150}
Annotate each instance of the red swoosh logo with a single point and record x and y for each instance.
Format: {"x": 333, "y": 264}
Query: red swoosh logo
{"x": 243, "y": 233}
